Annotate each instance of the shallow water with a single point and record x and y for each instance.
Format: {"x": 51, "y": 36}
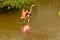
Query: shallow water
{"x": 44, "y": 23}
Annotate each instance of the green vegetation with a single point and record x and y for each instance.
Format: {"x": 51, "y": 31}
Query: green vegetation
{"x": 9, "y": 4}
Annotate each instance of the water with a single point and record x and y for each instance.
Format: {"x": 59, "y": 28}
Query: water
{"x": 44, "y": 23}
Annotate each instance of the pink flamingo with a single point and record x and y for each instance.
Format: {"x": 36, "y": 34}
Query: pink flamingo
{"x": 26, "y": 14}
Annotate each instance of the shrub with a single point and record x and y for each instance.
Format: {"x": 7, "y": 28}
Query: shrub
{"x": 8, "y": 4}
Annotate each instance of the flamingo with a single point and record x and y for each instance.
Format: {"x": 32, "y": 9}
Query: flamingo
{"x": 26, "y": 28}
{"x": 25, "y": 12}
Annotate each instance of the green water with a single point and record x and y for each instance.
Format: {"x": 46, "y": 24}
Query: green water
{"x": 44, "y": 23}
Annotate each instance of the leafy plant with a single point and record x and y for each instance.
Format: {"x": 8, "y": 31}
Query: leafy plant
{"x": 8, "y": 4}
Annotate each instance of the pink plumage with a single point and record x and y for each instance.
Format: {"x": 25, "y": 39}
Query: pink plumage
{"x": 26, "y": 28}
{"x": 23, "y": 14}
